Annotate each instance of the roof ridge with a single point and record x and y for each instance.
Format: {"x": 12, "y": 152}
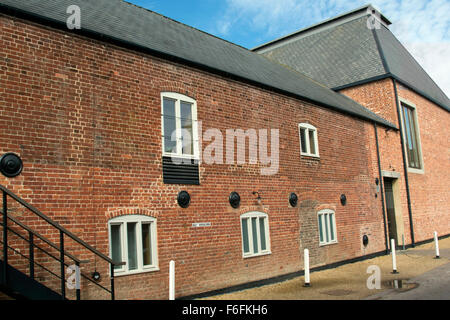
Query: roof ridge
{"x": 322, "y": 23}
{"x": 381, "y": 52}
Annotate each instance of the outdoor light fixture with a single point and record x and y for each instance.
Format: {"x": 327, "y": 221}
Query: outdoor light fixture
{"x": 343, "y": 199}
{"x": 184, "y": 199}
{"x": 96, "y": 276}
{"x": 258, "y": 198}
{"x": 11, "y": 165}
{"x": 234, "y": 199}
{"x": 293, "y": 199}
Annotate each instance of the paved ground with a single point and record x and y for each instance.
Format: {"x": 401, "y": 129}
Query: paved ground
{"x": 432, "y": 285}
{"x": 420, "y": 277}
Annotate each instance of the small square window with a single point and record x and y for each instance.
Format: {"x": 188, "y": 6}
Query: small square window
{"x": 327, "y": 227}
{"x": 179, "y": 126}
{"x": 309, "y": 145}
{"x": 133, "y": 241}
{"x": 411, "y": 136}
{"x": 255, "y": 234}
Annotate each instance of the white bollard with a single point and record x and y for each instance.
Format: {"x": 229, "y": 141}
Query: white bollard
{"x": 306, "y": 260}
{"x": 436, "y": 244}
{"x": 394, "y": 259}
{"x": 172, "y": 280}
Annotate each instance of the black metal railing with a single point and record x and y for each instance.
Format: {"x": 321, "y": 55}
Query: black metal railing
{"x": 31, "y": 237}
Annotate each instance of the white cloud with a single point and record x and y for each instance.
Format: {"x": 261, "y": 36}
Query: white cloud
{"x": 434, "y": 58}
{"x": 421, "y": 25}
{"x": 423, "y": 28}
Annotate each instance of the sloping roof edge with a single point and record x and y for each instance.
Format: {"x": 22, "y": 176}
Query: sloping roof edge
{"x": 57, "y": 24}
{"x": 321, "y": 24}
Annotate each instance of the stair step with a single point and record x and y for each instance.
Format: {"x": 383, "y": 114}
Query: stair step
{"x": 21, "y": 284}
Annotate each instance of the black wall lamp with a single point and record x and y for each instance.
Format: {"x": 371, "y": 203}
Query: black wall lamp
{"x": 11, "y": 165}
{"x": 184, "y": 199}
{"x": 96, "y": 276}
{"x": 257, "y": 198}
{"x": 293, "y": 199}
{"x": 234, "y": 199}
{"x": 377, "y": 182}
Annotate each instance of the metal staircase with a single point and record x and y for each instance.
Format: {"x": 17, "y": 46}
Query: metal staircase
{"x": 18, "y": 276}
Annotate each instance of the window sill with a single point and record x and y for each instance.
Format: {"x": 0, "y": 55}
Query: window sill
{"x": 180, "y": 156}
{"x": 129, "y": 273}
{"x": 327, "y": 243}
{"x": 310, "y": 157}
{"x": 265, "y": 253}
{"x": 414, "y": 170}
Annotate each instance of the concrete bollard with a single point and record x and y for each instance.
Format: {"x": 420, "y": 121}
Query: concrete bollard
{"x": 172, "y": 280}
{"x": 394, "y": 258}
{"x": 306, "y": 260}
{"x": 436, "y": 244}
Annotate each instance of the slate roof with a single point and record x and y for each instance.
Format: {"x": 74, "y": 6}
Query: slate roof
{"x": 127, "y": 24}
{"x": 349, "y": 53}
{"x": 400, "y": 63}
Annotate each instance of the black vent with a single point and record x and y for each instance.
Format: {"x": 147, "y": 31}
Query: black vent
{"x": 180, "y": 171}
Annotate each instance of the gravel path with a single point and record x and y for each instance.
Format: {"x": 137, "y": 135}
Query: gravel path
{"x": 349, "y": 282}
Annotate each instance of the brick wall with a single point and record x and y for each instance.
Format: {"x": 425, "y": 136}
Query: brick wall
{"x": 85, "y": 118}
{"x": 428, "y": 190}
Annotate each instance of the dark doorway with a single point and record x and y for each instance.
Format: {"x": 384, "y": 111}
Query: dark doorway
{"x": 390, "y": 208}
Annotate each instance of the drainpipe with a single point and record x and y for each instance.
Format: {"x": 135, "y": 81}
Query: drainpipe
{"x": 405, "y": 165}
{"x": 381, "y": 189}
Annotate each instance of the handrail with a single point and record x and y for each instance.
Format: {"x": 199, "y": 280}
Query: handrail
{"x": 62, "y": 253}
{"x": 54, "y": 274}
{"x": 34, "y": 245}
{"x": 54, "y": 246}
{"x": 25, "y": 257}
{"x": 59, "y": 227}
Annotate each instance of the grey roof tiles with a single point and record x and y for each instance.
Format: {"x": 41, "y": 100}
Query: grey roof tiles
{"x": 127, "y": 23}
{"x": 348, "y": 53}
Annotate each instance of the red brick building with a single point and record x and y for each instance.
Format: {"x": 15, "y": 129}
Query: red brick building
{"x": 91, "y": 112}
{"x": 368, "y": 64}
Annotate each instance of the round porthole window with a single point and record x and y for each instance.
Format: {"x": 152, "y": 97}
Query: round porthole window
{"x": 293, "y": 199}
{"x": 11, "y": 165}
{"x": 184, "y": 199}
{"x": 365, "y": 240}
{"x": 234, "y": 199}
{"x": 343, "y": 199}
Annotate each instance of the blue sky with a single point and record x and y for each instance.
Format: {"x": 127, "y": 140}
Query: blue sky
{"x": 423, "y": 26}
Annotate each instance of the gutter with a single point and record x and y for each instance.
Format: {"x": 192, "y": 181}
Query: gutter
{"x": 405, "y": 165}
{"x": 386, "y": 240}
{"x": 393, "y": 77}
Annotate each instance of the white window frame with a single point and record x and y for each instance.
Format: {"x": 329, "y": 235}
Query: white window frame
{"x": 195, "y": 139}
{"x": 308, "y": 152}
{"x": 411, "y": 105}
{"x": 249, "y": 216}
{"x": 139, "y": 220}
{"x": 327, "y": 231}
